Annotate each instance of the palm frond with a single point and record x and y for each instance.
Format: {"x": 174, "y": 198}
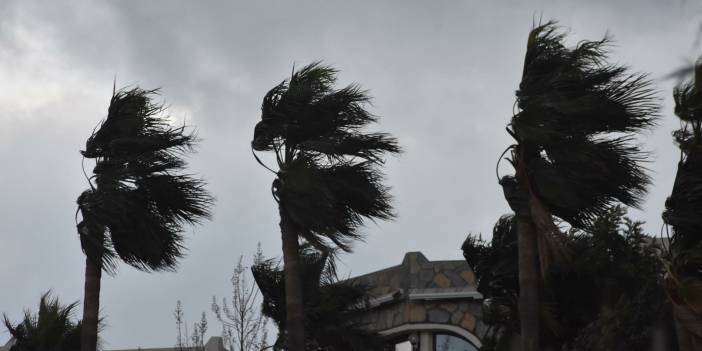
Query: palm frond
{"x": 331, "y": 202}
{"x": 51, "y": 328}
{"x": 143, "y": 199}
{"x": 307, "y": 114}
{"x": 575, "y": 127}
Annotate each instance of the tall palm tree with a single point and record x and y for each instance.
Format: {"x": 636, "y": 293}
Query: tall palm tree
{"x": 574, "y": 154}
{"x": 52, "y": 328}
{"x": 682, "y": 213}
{"x": 327, "y": 180}
{"x": 140, "y": 199}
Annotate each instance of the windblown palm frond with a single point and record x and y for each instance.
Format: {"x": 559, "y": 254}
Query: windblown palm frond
{"x": 329, "y": 303}
{"x": 50, "y": 329}
{"x": 331, "y": 201}
{"x": 141, "y": 198}
{"x": 328, "y": 179}
{"x": 576, "y": 123}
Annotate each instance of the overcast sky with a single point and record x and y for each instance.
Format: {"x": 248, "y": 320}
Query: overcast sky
{"x": 442, "y": 73}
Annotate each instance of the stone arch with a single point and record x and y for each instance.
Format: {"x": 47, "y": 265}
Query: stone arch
{"x": 436, "y": 327}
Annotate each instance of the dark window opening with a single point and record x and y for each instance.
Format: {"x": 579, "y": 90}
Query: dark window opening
{"x": 448, "y": 342}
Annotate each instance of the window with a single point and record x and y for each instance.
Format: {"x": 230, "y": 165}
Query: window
{"x": 447, "y": 342}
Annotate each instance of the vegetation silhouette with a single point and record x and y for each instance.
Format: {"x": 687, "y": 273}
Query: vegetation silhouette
{"x": 244, "y": 327}
{"x": 328, "y": 179}
{"x": 330, "y": 304}
{"x": 682, "y": 214}
{"x": 52, "y": 328}
{"x": 140, "y": 199}
{"x": 574, "y": 155}
{"x": 608, "y": 297}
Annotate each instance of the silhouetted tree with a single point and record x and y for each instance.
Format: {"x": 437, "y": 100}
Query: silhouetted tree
{"x": 496, "y": 269}
{"x": 139, "y": 201}
{"x": 328, "y": 179}
{"x": 608, "y": 297}
{"x": 682, "y": 213}
{"x": 574, "y": 156}
{"x": 243, "y": 324}
{"x": 185, "y": 340}
{"x": 330, "y": 305}
{"x": 50, "y": 329}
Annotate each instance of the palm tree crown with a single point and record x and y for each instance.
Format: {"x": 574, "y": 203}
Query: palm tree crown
{"x": 140, "y": 197}
{"x": 51, "y": 329}
{"x": 327, "y": 179}
{"x": 577, "y": 115}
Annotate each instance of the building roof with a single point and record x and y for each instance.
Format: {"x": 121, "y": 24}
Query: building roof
{"x": 424, "y": 296}
{"x": 213, "y": 344}
{"x": 417, "y": 278}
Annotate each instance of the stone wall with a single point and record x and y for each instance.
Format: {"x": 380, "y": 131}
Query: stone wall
{"x": 395, "y": 290}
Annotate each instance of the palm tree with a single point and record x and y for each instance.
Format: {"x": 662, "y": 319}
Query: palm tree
{"x": 51, "y": 329}
{"x": 682, "y": 213}
{"x": 330, "y": 304}
{"x": 574, "y": 156}
{"x": 328, "y": 180}
{"x": 140, "y": 200}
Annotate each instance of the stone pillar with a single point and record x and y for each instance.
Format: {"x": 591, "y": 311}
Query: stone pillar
{"x": 426, "y": 341}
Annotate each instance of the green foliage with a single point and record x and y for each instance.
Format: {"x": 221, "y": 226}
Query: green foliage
{"x": 50, "y": 329}
{"x": 328, "y": 179}
{"x": 577, "y": 115}
{"x": 608, "y": 296}
{"x": 140, "y": 199}
{"x": 330, "y": 305}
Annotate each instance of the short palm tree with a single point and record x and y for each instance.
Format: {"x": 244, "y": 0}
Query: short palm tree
{"x": 330, "y": 305}
{"x": 682, "y": 213}
{"x": 327, "y": 180}
{"x": 140, "y": 200}
{"x": 52, "y": 328}
{"x": 496, "y": 270}
{"x": 574, "y": 154}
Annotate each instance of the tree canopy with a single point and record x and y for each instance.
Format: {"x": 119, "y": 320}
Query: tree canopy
{"x": 609, "y": 296}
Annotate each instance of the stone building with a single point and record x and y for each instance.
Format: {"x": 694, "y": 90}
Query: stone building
{"x": 425, "y": 305}
{"x": 213, "y": 344}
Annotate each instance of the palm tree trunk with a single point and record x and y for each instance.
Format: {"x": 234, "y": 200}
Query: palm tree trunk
{"x": 295, "y": 317}
{"x": 91, "y": 305}
{"x": 528, "y": 284}
{"x": 687, "y": 340}
{"x": 528, "y": 260}
{"x": 684, "y": 339}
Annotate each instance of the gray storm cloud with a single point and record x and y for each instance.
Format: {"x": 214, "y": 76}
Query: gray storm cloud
{"x": 442, "y": 74}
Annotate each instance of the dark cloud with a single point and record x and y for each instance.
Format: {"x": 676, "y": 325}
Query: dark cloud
{"x": 443, "y": 75}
